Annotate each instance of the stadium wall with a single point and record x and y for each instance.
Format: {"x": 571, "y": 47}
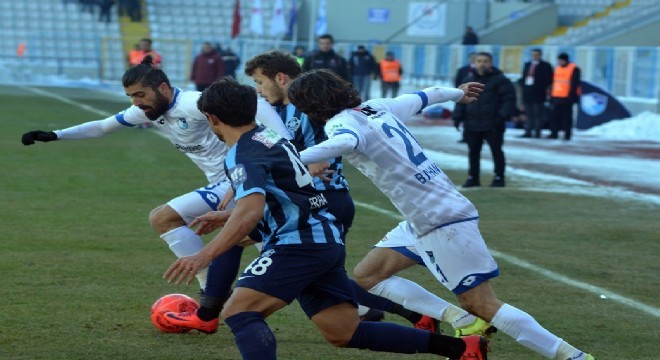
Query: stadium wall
{"x": 646, "y": 35}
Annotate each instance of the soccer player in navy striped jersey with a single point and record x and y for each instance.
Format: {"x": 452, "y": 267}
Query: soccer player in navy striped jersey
{"x": 272, "y": 72}
{"x": 440, "y": 229}
{"x": 303, "y": 254}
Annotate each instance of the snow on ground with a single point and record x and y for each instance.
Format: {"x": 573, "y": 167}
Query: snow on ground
{"x": 644, "y": 127}
{"x": 567, "y": 166}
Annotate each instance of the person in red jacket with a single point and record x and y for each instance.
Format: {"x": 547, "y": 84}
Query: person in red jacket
{"x": 207, "y": 67}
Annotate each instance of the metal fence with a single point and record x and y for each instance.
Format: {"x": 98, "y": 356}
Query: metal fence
{"x": 624, "y": 71}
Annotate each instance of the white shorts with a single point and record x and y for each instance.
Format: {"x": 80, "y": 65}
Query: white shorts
{"x": 199, "y": 202}
{"x": 456, "y": 254}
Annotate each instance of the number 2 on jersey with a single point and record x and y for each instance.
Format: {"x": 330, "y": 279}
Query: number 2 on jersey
{"x": 406, "y": 136}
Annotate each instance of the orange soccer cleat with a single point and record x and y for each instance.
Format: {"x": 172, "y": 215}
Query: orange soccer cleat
{"x": 190, "y": 321}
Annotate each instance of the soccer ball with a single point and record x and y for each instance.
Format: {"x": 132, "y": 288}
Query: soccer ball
{"x": 174, "y": 303}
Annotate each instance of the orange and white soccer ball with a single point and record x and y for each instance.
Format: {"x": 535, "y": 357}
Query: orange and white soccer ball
{"x": 174, "y": 303}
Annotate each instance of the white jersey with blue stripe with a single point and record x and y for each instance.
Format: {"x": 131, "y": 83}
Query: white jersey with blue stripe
{"x": 388, "y": 154}
{"x": 188, "y": 130}
{"x": 295, "y": 212}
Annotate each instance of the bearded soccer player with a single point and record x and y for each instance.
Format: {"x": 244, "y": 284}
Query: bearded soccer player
{"x": 174, "y": 114}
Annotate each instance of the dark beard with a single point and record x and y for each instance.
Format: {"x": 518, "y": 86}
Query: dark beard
{"x": 159, "y": 108}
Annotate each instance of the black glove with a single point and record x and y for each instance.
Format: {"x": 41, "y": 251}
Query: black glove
{"x": 457, "y": 125}
{"x": 30, "y": 137}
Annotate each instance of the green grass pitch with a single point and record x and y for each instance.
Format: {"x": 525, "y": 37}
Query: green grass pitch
{"x": 80, "y": 265}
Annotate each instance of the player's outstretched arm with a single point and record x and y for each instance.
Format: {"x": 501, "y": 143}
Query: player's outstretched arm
{"x": 37, "y": 135}
{"x": 407, "y": 105}
{"x": 91, "y": 129}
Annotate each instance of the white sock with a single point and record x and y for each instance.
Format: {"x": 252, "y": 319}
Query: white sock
{"x": 567, "y": 352}
{"x": 184, "y": 242}
{"x": 526, "y": 331}
{"x": 414, "y": 297}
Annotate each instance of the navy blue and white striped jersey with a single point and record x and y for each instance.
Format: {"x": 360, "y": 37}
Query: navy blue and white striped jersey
{"x": 305, "y": 133}
{"x": 295, "y": 213}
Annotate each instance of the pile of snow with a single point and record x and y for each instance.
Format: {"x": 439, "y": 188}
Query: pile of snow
{"x": 645, "y": 126}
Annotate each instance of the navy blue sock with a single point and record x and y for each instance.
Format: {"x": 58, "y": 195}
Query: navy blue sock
{"x": 222, "y": 273}
{"x": 389, "y": 337}
{"x": 380, "y": 303}
{"x": 370, "y": 300}
{"x": 252, "y": 335}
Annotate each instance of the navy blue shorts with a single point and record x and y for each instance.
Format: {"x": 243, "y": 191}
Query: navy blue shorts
{"x": 314, "y": 274}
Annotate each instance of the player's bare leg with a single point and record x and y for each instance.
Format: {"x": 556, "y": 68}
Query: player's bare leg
{"x": 376, "y": 273}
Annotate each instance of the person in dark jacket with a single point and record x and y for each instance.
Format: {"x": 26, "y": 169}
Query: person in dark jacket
{"x": 535, "y": 82}
{"x": 207, "y": 67}
{"x": 465, "y": 72}
{"x": 470, "y": 37}
{"x": 326, "y": 58}
{"x": 485, "y": 119}
{"x": 363, "y": 67}
{"x": 232, "y": 61}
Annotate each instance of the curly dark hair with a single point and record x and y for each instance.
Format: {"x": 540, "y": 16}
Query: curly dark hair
{"x": 233, "y": 103}
{"x": 274, "y": 62}
{"x": 322, "y": 94}
{"x": 145, "y": 74}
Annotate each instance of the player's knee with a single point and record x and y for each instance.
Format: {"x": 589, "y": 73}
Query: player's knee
{"x": 480, "y": 308}
{"x": 365, "y": 278}
{"x": 163, "y": 219}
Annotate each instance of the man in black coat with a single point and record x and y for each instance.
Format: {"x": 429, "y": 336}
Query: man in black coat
{"x": 326, "y": 58}
{"x": 486, "y": 119}
{"x": 363, "y": 67}
{"x": 464, "y": 73}
{"x": 535, "y": 82}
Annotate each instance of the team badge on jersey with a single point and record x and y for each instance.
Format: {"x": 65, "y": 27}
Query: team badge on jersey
{"x": 293, "y": 124}
{"x": 237, "y": 175}
{"x": 267, "y": 137}
{"x": 183, "y": 124}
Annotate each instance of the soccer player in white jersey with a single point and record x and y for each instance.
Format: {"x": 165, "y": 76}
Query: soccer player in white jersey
{"x": 174, "y": 113}
{"x": 441, "y": 225}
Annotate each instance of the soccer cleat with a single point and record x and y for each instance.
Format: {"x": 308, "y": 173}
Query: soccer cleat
{"x": 478, "y": 327}
{"x": 429, "y": 324}
{"x": 476, "y": 348}
{"x": 190, "y": 320}
{"x": 590, "y": 357}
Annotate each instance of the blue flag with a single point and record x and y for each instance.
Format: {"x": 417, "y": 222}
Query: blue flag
{"x": 597, "y": 107}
